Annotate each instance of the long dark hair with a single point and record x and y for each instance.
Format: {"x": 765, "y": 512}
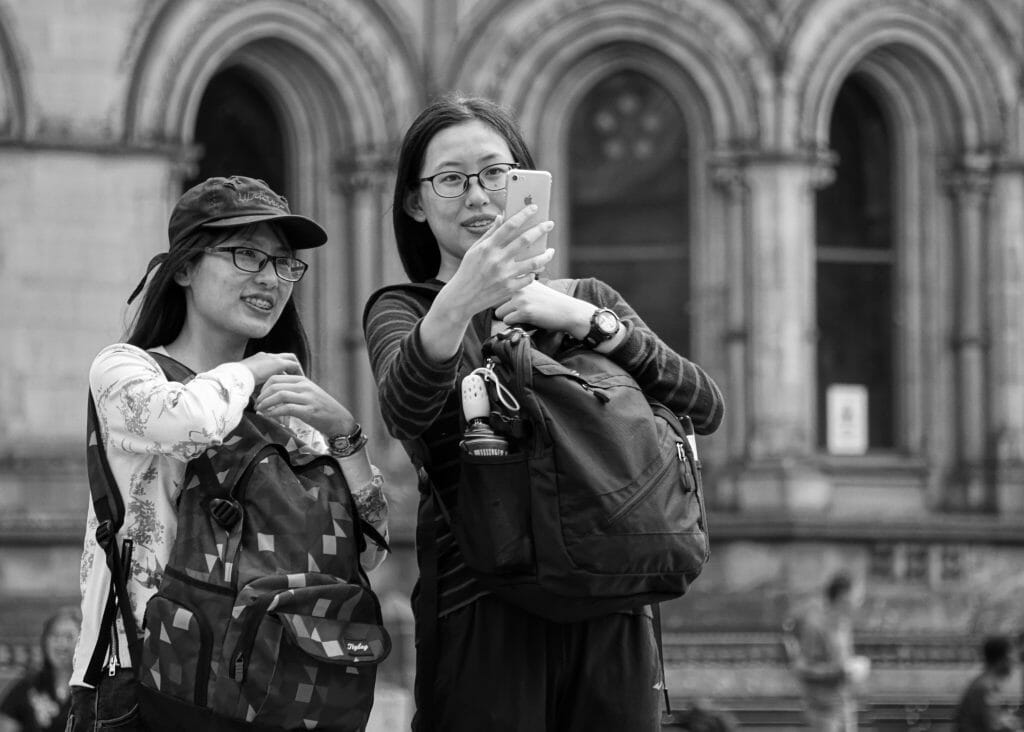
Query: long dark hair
{"x": 161, "y": 315}
{"x": 417, "y": 246}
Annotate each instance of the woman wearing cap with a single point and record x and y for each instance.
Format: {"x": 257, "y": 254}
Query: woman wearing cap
{"x": 221, "y": 304}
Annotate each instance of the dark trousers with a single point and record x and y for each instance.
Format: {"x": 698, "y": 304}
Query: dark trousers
{"x": 500, "y": 669}
{"x": 112, "y": 705}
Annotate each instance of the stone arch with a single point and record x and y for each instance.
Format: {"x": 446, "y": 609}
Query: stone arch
{"x": 547, "y": 113}
{"x": 12, "y": 93}
{"x": 556, "y": 40}
{"x": 561, "y": 49}
{"x": 308, "y": 54}
{"x": 968, "y": 88}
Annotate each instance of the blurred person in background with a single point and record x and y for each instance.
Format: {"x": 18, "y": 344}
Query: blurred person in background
{"x": 981, "y": 707}
{"x": 39, "y": 701}
{"x": 819, "y": 644}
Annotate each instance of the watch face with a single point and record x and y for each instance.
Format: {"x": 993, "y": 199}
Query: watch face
{"x": 606, "y": 322}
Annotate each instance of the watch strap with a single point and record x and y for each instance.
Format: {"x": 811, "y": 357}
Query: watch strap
{"x": 597, "y": 336}
{"x": 344, "y": 445}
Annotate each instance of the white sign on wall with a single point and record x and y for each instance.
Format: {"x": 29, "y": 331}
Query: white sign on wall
{"x": 846, "y": 409}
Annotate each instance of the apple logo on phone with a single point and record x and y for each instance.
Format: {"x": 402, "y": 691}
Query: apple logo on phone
{"x": 528, "y": 200}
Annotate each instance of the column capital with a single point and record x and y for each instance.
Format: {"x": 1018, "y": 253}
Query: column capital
{"x": 362, "y": 170}
{"x": 971, "y": 179}
{"x": 729, "y": 176}
{"x": 819, "y": 163}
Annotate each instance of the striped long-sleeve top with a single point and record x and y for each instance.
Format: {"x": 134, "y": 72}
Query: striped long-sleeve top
{"x": 419, "y": 399}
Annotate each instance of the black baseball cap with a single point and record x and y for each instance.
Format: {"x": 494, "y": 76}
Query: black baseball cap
{"x": 221, "y": 203}
{"x": 224, "y": 203}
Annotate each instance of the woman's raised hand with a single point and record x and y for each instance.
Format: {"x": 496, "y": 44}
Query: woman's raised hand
{"x": 489, "y": 272}
{"x": 294, "y": 395}
{"x": 543, "y": 307}
{"x": 265, "y": 365}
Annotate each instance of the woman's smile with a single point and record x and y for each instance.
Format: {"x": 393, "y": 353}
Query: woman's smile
{"x": 259, "y": 302}
{"x": 478, "y": 224}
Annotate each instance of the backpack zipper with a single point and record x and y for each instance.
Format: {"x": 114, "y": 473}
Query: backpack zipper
{"x": 591, "y": 389}
{"x": 115, "y": 642}
{"x": 641, "y": 494}
{"x": 205, "y": 634}
{"x": 240, "y": 658}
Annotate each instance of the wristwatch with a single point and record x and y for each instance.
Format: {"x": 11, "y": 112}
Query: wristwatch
{"x": 344, "y": 445}
{"x": 604, "y": 324}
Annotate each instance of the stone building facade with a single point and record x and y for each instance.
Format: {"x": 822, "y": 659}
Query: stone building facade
{"x": 819, "y": 200}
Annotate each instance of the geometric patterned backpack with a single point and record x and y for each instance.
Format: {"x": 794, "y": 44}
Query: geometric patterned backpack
{"x": 264, "y": 618}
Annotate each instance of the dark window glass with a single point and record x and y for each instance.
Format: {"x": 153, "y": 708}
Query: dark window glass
{"x": 629, "y": 208}
{"x": 239, "y": 131}
{"x": 855, "y": 264}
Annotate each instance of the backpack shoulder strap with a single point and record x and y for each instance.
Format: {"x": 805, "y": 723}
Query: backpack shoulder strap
{"x": 426, "y": 291}
{"x": 108, "y": 505}
{"x": 476, "y": 333}
{"x": 173, "y": 370}
{"x": 106, "y": 498}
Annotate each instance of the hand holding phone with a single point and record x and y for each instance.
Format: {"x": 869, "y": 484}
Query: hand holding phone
{"x": 525, "y": 187}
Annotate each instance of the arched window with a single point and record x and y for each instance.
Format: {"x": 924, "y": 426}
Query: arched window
{"x": 855, "y": 264}
{"x": 629, "y": 207}
{"x": 239, "y": 131}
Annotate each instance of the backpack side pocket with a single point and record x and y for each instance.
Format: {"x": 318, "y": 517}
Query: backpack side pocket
{"x": 177, "y": 649}
{"x": 492, "y": 523}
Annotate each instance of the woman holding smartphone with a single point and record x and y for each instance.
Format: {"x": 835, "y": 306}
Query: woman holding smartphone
{"x": 483, "y": 663}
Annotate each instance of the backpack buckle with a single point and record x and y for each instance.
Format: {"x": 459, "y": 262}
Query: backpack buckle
{"x": 225, "y": 512}
{"x": 105, "y": 533}
{"x": 423, "y": 483}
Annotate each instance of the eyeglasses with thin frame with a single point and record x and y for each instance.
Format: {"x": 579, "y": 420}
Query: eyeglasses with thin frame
{"x": 452, "y": 183}
{"x": 251, "y": 259}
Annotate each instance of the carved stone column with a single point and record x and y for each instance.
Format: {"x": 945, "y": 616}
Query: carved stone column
{"x": 364, "y": 181}
{"x": 729, "y": 178}
{"x": 1005, "y": 288}
{"x": 969, "y": 187}
{"x": 781, "y": 470}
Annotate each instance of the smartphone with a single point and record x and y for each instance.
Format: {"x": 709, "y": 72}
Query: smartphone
{"x": 526, "y": 187}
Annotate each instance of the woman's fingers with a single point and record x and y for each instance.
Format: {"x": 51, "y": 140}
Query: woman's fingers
{"x": 524, "y": 243}
{"x": 519, "y": 232}
{"x": 534, "y": 265}
{"x": 281, "y": 390}
{"x": 510, "y": 227}
{"x": 290, "y": 396}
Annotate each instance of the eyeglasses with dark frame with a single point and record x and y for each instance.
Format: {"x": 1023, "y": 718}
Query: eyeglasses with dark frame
{"x": 453, "y": 183}
{"x": 251, "y": 259}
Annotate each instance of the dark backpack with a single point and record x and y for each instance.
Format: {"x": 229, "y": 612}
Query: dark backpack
{"x": 598, "y": 506}
{"x": 264, "y": 618}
